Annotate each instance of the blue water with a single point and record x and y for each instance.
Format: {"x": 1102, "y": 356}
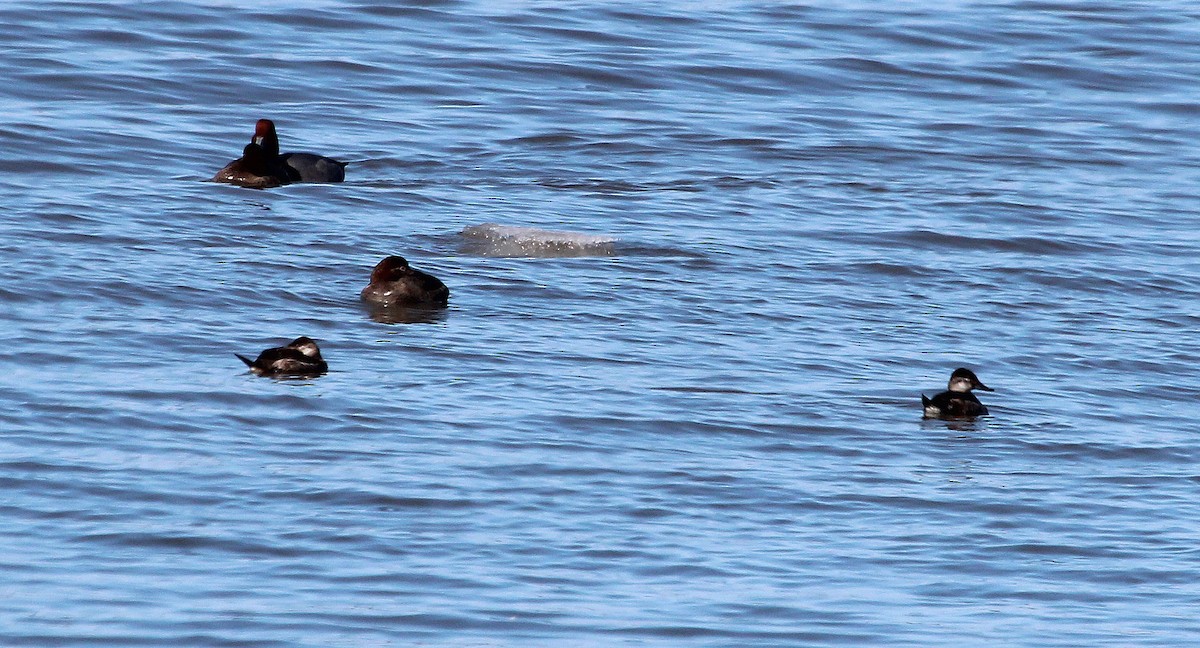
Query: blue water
{"x": 680, "y": 404}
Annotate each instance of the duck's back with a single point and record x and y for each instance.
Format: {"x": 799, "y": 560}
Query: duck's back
{"x": 953, "y": 404}
{"x": 254, "y": 170}
{"x": 284, "y": 360}
{"x": 415, "y": 288}
{"x": 310, "y": 167}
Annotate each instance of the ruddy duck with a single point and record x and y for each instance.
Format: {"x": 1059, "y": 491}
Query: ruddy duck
{"x": 957, "y": 401}
{"x": 394, "y": 283}
{"x": 300, "y": 357}
{"x": 254, "y": 170}
{"x": 299, "y": 167}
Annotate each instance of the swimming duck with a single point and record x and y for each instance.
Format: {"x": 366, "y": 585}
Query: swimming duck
{"x": 300, "y": 357}
{"x": 300, "y": 167}
{"x": 395, "y": 283}
{"x": 957, "y": 401}
{"x": 255, "y": 170}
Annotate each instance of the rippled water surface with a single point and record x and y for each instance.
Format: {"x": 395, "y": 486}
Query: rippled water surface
{"x": 703, "y": 259}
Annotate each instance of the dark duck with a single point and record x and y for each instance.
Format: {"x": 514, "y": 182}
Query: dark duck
{"x": 255, "y": 170}
{"x": 395, "y": 283}
{"x": 299, "y": 167}
{"x": 957, "y": 401}
{"x": 300, "y": 357}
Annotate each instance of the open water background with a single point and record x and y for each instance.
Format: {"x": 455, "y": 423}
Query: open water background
{"x": 706, "y": 434}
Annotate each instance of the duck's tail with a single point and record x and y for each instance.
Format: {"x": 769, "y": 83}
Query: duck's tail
{"x": 924, "y": 401}
{"x": 250, "y": 363}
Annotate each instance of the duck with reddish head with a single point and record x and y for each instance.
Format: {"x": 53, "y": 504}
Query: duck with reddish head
{"x": 395, "y": 283}
{"x": 957, "y": 401}
{"x": 300, "y": 357}
{"x": 300, "y": 167}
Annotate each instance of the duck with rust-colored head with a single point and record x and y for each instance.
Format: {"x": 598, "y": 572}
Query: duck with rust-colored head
{"x": 395, "y": 283}
{"x": 957, "y": 401}
{"x": 300, "y": 357}
{"x": 299, "y": 167}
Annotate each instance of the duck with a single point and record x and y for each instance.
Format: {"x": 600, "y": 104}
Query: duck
{"x": 300, "y": 357}
{"x": 299, "y": 167}
{"x": 957, "y": 401}
{"x": 395, "y": 283}
{"x": 254, "y": 170}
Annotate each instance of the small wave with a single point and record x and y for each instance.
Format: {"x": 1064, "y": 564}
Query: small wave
{"x": 492, "y": 239}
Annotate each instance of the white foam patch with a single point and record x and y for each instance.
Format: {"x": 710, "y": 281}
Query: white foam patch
{"x": 493, "y": 239}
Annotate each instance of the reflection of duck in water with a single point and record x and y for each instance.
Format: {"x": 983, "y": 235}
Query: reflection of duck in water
{"x": 300, "y": 357}
{"x": 957, "y": 401}
{"x": 255, "y": 170}
{"x": 395, "y": 283}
